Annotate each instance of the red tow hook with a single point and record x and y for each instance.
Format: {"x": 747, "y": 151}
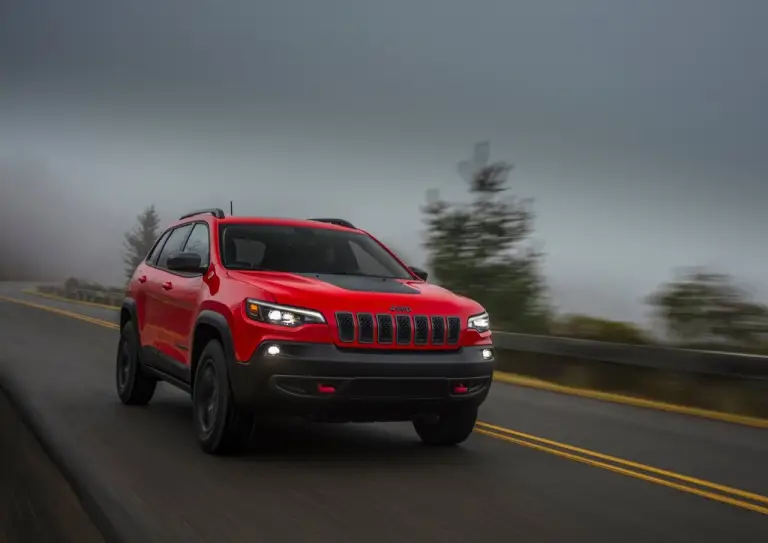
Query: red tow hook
{"x": 460, "y": 389}
{"x": 326, "y": 389}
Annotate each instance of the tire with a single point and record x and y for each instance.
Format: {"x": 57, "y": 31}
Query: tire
{"x": 450, "y": 428}
{"x": 222, "y": 428}
{"x": 133, "y": 387}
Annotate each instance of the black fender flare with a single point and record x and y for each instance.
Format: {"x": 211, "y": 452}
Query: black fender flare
{"x": 129, "y": 306}
{"x": 219, "y": 322}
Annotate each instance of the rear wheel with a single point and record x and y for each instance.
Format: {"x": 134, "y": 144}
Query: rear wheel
{"x": 447, "y": 429}
{"x": 221, "y": 426}
{"x": 133, "y": 387}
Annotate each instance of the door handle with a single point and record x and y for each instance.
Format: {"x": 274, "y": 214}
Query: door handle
{"x": 142, "y": 279}
{"x": 167, "y": 285}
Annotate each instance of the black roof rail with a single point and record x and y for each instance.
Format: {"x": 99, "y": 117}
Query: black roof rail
{"x": 215, "y": 211}
{"x": 337, "y": 222}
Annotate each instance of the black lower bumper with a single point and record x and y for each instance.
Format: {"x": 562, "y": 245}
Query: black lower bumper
{"x": 324, "y": 382}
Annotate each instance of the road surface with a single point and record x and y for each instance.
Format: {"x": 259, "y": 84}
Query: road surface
{"x": 542, "y": 467}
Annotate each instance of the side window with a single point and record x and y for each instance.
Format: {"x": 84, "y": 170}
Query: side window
{"x": 366, "y": 263}
{"x": 199, "y": 243}
{"x": 174, "y": 244}
{"x": 155, "y": 251}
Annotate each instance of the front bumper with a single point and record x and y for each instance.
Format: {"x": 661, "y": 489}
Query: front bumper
{"x": 325, "y": 382}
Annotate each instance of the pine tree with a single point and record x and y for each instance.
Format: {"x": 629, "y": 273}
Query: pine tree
{"x": 478, "y": 249}
{"x": 139, "y": 241}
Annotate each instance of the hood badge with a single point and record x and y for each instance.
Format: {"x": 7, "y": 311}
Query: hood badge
{"x": 400, "y": 309}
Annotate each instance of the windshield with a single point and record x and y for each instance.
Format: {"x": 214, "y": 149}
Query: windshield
{"x": 294, "y": 249}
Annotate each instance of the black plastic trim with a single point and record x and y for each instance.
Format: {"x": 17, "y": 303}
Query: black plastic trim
{"x": 385, "y": 340}
{"x": 337, "y": 222}
{"x": 403, "y": 326}
{"x": 215, "y": 211}
{"x": 344, "y": 330}
{"x": 368, "y": 338}
{"x": 129, "y": 305}
{"x": 438, "y": 339}
{"x": 218, "y": 321}
{"x": 152, "y": 359}
{"x": 425, "y": 339}
{"x": 453, "y": 331}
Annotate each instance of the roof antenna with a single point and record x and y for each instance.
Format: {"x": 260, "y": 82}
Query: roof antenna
{"x": 230, "y": 209}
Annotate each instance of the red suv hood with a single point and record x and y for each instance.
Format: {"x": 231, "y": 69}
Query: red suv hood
{"x": 331, "y": 293}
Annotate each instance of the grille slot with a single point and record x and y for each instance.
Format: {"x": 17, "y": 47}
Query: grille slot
{"x": 404, "y": 329}
{"x": 421, "y": 330}
{"x": 401, "y": 330}
{"x": 346, "y": 323}
{"x": 386, "y": 329}
{"x": 438, "y": 330}
{"x": 454, "y": 327}
{"x": 365, "y": 328}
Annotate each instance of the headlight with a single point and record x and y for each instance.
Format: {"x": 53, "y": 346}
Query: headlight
{"x": 481, "y": 322}
{"x": 281, "y": 314}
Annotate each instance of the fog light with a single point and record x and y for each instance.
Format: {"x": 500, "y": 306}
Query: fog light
{"x": 487, "y": 354}
{"x": 273, "y": 350}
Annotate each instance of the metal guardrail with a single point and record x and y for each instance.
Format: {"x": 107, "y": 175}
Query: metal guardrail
{"x": 654, "y": 357}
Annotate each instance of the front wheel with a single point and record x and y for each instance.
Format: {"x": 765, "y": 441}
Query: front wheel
{"x": 221, "y": 426}
{"x": 449, "y": 428}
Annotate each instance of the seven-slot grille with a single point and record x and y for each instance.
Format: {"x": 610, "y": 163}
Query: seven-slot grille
{"x": 399, "y": 329}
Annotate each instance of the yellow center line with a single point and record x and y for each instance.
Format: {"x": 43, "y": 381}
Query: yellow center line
{"x": 577, "y": 454}
{"x": 35, "y": 292}
{"x": 628, "y": 463}
{"x": 63, "y": 312}
{"x": 637, "y": 475}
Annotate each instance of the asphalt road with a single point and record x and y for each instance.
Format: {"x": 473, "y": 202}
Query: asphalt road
{"x": 376, "y": 483}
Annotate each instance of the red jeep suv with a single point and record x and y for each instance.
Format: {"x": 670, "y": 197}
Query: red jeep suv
{"x": 315, "y": 318}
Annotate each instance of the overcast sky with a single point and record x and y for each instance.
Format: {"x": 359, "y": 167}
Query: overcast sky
{"x": 639, "y": 128}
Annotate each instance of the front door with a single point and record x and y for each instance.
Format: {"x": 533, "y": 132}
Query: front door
{"x": 164, "y": 286}
{"x": 182, "y": 294}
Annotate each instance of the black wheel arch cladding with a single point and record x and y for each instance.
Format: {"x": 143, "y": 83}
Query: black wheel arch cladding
{"x": 208, "y": 319}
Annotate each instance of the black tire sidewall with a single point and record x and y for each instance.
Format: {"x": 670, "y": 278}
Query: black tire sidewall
{"x": 213, "y": 357}
{"x": 453, "y": 427}
{"x": 128, "y": 341}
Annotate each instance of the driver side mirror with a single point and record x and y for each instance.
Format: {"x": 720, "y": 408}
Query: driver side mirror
{"x": 421, "y": 274}
{"x": 185, "y": 263}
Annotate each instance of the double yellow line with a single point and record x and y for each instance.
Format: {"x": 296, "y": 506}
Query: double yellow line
{"x": 684, "y": 483}
{"x": 64, "y": 313}
{"x": 706, "y": 489}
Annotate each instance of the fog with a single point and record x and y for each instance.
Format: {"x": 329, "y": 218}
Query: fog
{"x": 638, "y": 128}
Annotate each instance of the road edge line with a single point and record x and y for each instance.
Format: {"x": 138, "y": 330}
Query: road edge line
{"x": 720, "y": 416}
